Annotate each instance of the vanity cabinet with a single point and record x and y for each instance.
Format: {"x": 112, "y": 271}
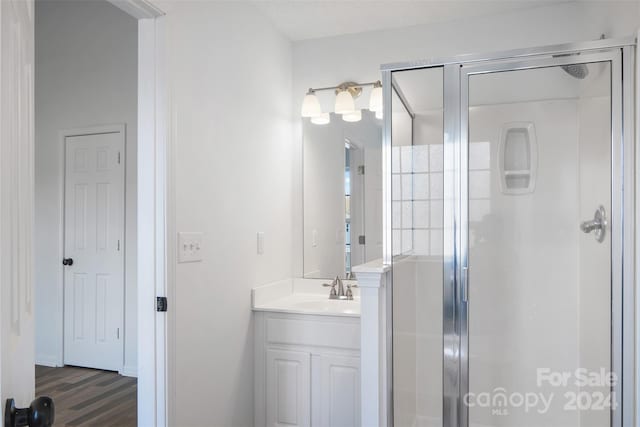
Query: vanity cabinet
{"x": 339, "y": 391}
{"x": 307, "y": 370}
{"x": 288, "y": 388}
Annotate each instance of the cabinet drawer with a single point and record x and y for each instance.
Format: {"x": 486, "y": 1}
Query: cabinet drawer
{"x": 311, "y": 332}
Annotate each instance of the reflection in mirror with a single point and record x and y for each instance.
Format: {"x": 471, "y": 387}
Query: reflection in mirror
{"x": 342, "y": 194}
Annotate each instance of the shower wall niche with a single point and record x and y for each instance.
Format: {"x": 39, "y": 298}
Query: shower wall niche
{"x": 518, "y": 158}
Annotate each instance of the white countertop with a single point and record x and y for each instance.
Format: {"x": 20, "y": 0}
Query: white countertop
{"x": 302, "y": 296}
{"x": 375, "y": 266}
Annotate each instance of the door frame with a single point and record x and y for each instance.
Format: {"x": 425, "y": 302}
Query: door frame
{"x": 454, "y": 251}
{"x": 156, "y": 251}
{"x": 63, "y": 135}
{"x": 156, "y": 224}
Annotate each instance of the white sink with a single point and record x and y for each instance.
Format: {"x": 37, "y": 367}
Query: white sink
{"x": 312, "y": 304}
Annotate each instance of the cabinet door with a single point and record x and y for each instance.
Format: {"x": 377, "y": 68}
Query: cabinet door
{"x": 288, "y": 388}
{"x": 340, "y": 390}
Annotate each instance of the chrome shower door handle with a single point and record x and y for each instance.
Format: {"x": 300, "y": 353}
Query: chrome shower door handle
{"x": 597, "y": 225}
{"x": 589, "y": 226}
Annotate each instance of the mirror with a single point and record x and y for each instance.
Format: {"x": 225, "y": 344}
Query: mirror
{"x": 342, "y": 173}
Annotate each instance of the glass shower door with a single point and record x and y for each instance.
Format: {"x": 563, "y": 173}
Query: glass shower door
{"x": 538, "y": 164}
{"x": 418, "y": 227}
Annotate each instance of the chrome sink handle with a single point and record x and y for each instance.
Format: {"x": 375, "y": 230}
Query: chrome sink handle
{"x": 333, "y": 294}
{"x": 597, "y": 225}
{"x": 349, "y": 292}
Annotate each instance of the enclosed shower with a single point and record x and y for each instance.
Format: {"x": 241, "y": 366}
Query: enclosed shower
{"x": 509, "y": 224}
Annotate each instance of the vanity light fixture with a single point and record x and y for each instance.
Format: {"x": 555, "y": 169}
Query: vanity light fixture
{"x": 345, "y": 97}
{"x": 322, "y": 119}
{"x": 346, "y": 93}
{"x": 375, "y": 99}
{"x": 311, "y": 105}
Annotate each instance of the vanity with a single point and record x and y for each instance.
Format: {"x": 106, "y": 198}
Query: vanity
{"x": 307, "y": 355}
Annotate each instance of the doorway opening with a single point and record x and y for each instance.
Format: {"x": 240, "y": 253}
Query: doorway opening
{"x": 92, "y": 87}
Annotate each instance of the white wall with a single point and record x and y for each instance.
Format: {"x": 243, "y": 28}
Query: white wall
{"x": 230, "y": 85}
{"x": 86, "y": 75}
{"x": 357, "y": 57}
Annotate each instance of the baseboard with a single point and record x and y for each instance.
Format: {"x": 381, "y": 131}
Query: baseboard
{"x": 129, "y": 371}
{"x": 47, "y": 360}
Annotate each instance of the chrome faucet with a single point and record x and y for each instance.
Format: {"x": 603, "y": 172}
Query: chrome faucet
{"x": 340, "y": 292}
{"x": 340, "y": 287}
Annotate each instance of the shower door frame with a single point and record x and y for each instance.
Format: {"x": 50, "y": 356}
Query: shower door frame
{"x": 621, "y": 54}
{"x": 614, "y": 57}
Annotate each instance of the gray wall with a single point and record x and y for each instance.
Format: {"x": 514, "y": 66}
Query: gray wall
{"x": 86, "y": 75}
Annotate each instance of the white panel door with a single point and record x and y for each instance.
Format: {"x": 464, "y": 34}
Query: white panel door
{"x": 340, "y": 391}
{"x": 373, "y": 201}
{"x": 357, "y": 208}
{"x": 94, "y": 238}
{"x": 288, "y": 388}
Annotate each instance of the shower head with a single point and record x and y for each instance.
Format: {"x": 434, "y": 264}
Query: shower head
{"x": 578, "y": 71}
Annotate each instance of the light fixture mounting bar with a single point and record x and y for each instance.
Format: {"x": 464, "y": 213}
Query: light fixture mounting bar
{"x": 345, "y": 85}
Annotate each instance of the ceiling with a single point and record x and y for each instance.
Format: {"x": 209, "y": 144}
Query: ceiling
{"x": 309, "y": 19}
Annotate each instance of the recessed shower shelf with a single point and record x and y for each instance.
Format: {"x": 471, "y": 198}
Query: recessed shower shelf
{"x": 518, "y": 173}
{"x": 518, "y": 158}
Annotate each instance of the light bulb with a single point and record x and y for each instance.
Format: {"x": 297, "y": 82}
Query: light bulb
{"x": 379, "y": 115}
{"x": 344, "y": 103}
{"x": 353, "y": 116}
{"x": 375, "y": 99}
{"x": 322, "y": 119}
{"x": 311, "y": 105}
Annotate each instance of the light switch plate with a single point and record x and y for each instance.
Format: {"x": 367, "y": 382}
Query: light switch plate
{"x": 189, "y": 247}
{"x": 260, "y": 242}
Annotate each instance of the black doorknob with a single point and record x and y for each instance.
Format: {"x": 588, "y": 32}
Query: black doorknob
{"x": 67, "y": 261}
{"x": 41, "y": 413}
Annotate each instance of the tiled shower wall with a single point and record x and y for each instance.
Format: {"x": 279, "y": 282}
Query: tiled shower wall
{"x": 417, "y": 188}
